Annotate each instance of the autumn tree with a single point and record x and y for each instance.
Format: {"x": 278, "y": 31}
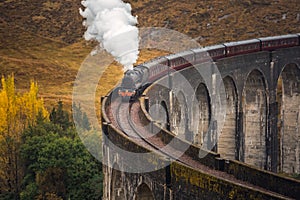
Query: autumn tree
{"x": 17, "y": 111}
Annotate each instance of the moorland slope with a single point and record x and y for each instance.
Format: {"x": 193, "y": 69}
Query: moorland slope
{"x": 42, "y": 39}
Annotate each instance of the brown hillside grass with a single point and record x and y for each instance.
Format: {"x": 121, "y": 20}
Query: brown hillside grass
{"x": 42, "y": 39}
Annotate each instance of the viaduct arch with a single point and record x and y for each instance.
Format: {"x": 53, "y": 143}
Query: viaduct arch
{"x": 261, "y": 130}
{"x": 262, "y": 109}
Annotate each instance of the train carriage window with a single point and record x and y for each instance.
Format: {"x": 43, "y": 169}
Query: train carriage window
{"x": 265, "y": 44}
{"x": 235, "y": 50}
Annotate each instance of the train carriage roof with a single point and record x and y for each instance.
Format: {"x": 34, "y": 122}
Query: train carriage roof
{"x": 279, "y": 37}
{"x": 180, "y": 54}
{"x": 244, "y": 42}
{"x": 208, "y": 48}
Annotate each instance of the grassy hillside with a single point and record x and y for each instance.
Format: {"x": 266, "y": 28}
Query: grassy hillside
{"x": 52, "y": 63}
{"x": 42, "y": 39}
{"x": 217, "y": 21}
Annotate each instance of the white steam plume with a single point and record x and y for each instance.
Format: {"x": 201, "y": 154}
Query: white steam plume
{"x": 111, "y": 24}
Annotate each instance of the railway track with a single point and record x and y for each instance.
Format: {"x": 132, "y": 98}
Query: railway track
{"x": 124, "y": 116}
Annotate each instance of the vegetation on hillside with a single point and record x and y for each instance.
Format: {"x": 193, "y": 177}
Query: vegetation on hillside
{"x": 17, "y": 112}
{"x": 57, "y": 164}
{"x": 41, "y": 156}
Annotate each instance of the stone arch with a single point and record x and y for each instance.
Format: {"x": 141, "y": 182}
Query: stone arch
{"x": 165, "y": 114}
{"x": 117, "y": 189}
{"x": 159, "y": 112}
{"x": 180, "y": 118}
{"x": 201, "y": 114}
{"x": 144, "y": 193}
{"x": 254, "y": 105}
{"x": 228, "y": 136}
{"x": 288, "y": 98}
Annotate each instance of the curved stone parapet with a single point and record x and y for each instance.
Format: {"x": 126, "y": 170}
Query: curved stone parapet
{"x": 260, "y": 132}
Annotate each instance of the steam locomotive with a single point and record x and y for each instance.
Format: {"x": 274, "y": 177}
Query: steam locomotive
{"x": 135, "y": 81}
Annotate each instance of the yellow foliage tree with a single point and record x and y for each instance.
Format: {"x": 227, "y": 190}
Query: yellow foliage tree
{"x": 17, "y": 112}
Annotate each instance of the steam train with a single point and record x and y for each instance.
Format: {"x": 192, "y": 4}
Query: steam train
{"x": 135, "y": 81}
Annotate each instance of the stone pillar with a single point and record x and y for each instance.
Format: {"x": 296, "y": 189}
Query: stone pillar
{"x": 240, "y": 137}
{"x": 272, "y": 143}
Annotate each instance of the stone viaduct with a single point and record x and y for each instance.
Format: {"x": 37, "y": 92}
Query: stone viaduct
{"x": 244, "y": 110}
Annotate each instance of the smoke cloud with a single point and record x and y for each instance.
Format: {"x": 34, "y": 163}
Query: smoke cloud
{"x": 111, "y": 24}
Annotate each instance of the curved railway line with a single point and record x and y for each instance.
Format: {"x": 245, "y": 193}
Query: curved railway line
{"x": 124, "y": 117}
{"x": 132, "y": 127}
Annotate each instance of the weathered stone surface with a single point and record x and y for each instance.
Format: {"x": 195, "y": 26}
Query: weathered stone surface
{"x": 261, "y": 129}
